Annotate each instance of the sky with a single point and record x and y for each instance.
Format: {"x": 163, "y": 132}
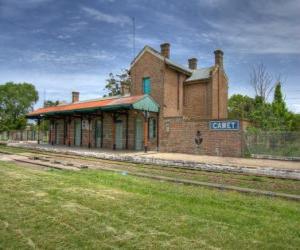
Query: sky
{"x": 72, "y": 45}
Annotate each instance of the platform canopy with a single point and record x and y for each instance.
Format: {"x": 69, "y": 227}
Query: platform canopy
{"x": 138, "y": 102}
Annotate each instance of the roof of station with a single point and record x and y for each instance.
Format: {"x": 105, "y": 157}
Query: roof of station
{"x": 138, "y": 102}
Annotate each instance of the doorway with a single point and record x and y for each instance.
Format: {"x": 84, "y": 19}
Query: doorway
{"x": 77, "y": 131}
{"x": 98, "y": 133}
{"x": 139, "y": 134}
{"x": 119, "y": 135}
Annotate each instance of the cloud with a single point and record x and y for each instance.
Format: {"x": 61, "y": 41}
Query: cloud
{"x": 104, "y": 17}
{"x": 212, "y": 3}
{"x": 63, "y": 36}
{"x": 283, "y": 9}
{"x": 10, "y": 8}
{"x": 77, "y": 58}
{"x": 59, "y": 86}
{"x": 260, "y": 31}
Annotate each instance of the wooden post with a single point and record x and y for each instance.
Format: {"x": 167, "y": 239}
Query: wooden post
{"x": 146, "y": 133}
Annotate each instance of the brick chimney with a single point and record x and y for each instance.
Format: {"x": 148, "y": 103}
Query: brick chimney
{"x": 125, "y": 89}
{"x": 165, "y": 50}
{"x": 75, "y": 96}
{"x": 192, "y": 63}
{"x": 219, "y": 58}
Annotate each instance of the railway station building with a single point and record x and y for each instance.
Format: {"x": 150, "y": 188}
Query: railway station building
{"x": 168, "y": 107}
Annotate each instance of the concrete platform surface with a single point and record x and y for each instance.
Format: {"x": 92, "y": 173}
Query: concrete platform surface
{"x": 172, "y": 157}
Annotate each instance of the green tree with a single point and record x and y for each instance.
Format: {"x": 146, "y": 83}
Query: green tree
{"x": 49, "y": 103}
{"x": 16, "y": 100}
{"x": 112, "y": 86}
{"x": 261, "y": 114}
{"x": 296, "y": 122}
{"x": 282, "y": 119}
{"x": 240, "y": 107}
{"x": 114, "y": 82}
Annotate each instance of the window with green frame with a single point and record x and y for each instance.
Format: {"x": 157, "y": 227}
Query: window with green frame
{"x": 147, "y": 85}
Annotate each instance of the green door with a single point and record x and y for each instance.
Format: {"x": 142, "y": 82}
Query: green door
{"x": 77, "y": 132}
{"x": 139, "y": 134}
{"x": 98, "y": 130}
{"x": 119, "y": 135}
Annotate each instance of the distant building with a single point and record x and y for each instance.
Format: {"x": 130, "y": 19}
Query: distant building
{"x": 168, "y": 108}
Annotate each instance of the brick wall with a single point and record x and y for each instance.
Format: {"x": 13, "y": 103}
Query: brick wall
{"x": 179, "y": 136}
{"x": 148, "y": 66}
{"x": 173, "y": 93}
{"x": 197, "y": 100}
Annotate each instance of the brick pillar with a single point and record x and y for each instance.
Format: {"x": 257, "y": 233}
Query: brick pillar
{"x": 165, "y": 50}
{"x": 192, "y": 63}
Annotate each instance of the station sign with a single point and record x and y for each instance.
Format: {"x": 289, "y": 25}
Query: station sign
{"x": 224, "y": 125}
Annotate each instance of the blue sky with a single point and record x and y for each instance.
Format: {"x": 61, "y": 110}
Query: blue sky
{"x": 66, "y": 45}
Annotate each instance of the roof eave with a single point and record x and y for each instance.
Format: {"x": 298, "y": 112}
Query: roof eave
{"x": 197, "y": 80}
{"x": 172, "y": 66}
{"x": 156, "y": 54}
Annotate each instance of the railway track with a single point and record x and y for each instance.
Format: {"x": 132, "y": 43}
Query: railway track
{"x": 168, "y": 174}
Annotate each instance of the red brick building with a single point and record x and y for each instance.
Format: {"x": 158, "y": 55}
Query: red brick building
{"x": 169, "y": 107}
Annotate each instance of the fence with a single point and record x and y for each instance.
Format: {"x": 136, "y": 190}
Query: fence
{"x": 24, "y": 135}
{"x": 273, "y": 143}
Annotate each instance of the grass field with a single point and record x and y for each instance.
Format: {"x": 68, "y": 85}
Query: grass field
{"x": 239, "y": 180}
{"x": 92, "y": 209}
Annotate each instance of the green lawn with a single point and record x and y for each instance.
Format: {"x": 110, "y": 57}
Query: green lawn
{"x": 89, "y": 209}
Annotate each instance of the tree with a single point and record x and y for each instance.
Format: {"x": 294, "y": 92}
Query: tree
{"x": 296, "y": 123}
{"x": 114, "y": 82}
{"x": 261, "y": 114}
{"x": 261, "y": 81}
{"x": 16, "y": 100}
{"x": 240, "y": 107}
{"x": 49, "y": 103}
{"x": 282, "y": 118}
